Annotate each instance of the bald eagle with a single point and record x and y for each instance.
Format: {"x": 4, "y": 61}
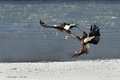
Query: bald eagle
{"x": 63, "y": 27}
{"x": 85, "y": 40}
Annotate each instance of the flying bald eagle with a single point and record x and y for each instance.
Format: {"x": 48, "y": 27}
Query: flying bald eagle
{"x": 63, "y": 27}
{"x": 85, "y": 40}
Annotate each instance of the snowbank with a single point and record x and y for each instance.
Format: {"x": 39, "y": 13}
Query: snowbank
{"x": 74, "y": 70}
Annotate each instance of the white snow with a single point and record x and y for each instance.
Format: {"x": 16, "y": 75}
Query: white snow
{"x": 74, "y": 70}
{"x": 113, "y": 17}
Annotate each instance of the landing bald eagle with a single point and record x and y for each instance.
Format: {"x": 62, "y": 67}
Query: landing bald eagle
{"x": 85, "y": 40}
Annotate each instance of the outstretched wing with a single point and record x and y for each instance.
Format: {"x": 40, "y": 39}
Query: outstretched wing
{"x": 94, "y": 32}
{"x": 45, "y": 25}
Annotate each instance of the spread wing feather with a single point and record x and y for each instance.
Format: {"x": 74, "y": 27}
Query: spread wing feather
{"x": 45, "y": 25}
{"x": 94, "y": 31}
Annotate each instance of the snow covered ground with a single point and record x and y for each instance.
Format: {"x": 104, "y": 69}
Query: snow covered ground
{"x": 74, "y": 70}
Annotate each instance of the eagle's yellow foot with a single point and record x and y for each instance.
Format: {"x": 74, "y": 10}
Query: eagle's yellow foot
{"x": 73, "y": 35}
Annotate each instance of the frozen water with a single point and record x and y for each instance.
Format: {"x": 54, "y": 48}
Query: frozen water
{"x": 23, "y": 39}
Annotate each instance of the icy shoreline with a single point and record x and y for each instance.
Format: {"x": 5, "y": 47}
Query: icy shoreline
{"x": 74, "y": 70}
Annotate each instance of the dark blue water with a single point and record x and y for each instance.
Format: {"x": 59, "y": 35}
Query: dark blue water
{"x": 23, "y": 39}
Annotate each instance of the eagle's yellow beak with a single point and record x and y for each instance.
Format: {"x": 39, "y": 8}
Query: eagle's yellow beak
{"x": 81, "y": 31}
